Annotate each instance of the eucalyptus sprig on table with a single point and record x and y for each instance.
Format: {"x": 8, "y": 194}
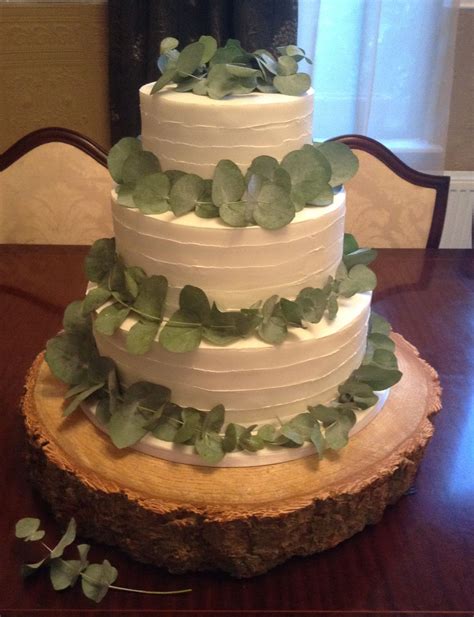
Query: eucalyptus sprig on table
{"x": 96, "y": 578}
{"x": 130, "y": 292}
{"x": 269, "y": 195}
{"x": 205, "y": 69}
{"x": 129, "y": 414}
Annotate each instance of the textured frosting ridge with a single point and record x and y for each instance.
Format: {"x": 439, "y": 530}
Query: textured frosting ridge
{"x": 193, "y": 133}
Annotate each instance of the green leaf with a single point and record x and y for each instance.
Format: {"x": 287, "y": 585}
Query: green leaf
{"x": 141, "y": 337}
{"x": 126, "y": 426}
{"x": 378, "y": 324}
{"x": 299, "y": 428}
{"x": 168, "y": 43}
{"x": 131, "y": 282}
{"x": 111, "y": 318}
{"x": 100, "y": 260}
{"x": 264, "y": 166}
{"x": 174, "y": 175}
{"x": 337, "y": 434}
{"x": 125, "y": 195}
{"x": 231, "y": 53}
{"x": 64, "y": 361}
{"x": 96, "y": 580}
{"x": 151, "y": 297}
{"x": 296, "y": 52}
{"x": 274, "y": 208}
{"x": 67, "y": 539}
{"x": 102, "y": 411}
{"x": 195, "y": 300}
{"x": 139, "y": 164}
{"x": 309, "y": 172}
{"x": 376, "y": 377}
{"x": 231, "y": 437}
{"x": 200, "y": 86}
{"x": 360, "y": 279}
{"x": 95, "y": 299}
{"x": 344, "y": 163}
{"x": 209, "y": 448}
{"x": 207, "y": 211}
{"x": 191, "y": 427}
{"x": 292, "y": 312}
{"x": 358, "y": 392}
{"x": 228, "y": 183}
{"x": 224, "y": 327}
{"x": 185, "y": 194}
{"x": 332, "y": 306}
{"x": 28, "y": 527}
{"x": 168, "y": 76}
{"x": 190, "y": 59}
{"x": 234, "y": 214}
{"x": 313, "y": 303}
{"x": 385, "y": 358}
{"x": 151, "y": 193}
{"x": 182, "y": 333}
{"x": 323, "y": 413}
{"x": 214, "y": 420}
{"x": 350, "y": 244}
{"x": 241, "y": 71}
{"x": 64, "y": 573}
{"x": 210, "y": 47}
{"x": 169, "y": 423}
{"x": 267, "y": 432}
{"x": 250, "y": 442}
{"x": 292, "y": 85}
{"x": 119, "y": 153}
{"x": 359, "y": 256}
{"x": 27, "y": 569}
{"x": 81, "y": 396}
{"x": 381, "y": 341}
{"x": 273, "y": 330}
{"x": 317, "y": 439}
{"x": 287, "y": 65}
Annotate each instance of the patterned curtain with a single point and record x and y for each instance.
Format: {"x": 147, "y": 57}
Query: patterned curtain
{"x": 136, "y": 28}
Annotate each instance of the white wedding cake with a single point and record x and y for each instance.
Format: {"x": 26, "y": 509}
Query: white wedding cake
{"x": 192, "y": 211}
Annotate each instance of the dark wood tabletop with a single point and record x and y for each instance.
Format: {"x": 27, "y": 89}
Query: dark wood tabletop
{"x": 419, "y": 560}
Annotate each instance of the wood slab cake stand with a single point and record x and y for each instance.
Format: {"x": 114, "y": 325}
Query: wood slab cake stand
{"x": 243, "y": 520}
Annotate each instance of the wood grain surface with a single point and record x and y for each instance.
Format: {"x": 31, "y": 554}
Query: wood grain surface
{"x": 419, "y": 560}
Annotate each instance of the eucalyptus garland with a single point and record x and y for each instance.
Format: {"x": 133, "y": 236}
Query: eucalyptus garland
{"x": 269, "y": 195}
{"x": 129, "y": 292}
{"x": 205, "y": 69}
{"x": 129, "y": 414}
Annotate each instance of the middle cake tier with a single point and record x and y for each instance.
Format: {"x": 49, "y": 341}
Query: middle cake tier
{"x": 236, "y": 267}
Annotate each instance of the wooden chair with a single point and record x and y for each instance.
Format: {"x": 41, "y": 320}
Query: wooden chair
{"x": 54, "y": 189}
{"x": 389, "y": 204}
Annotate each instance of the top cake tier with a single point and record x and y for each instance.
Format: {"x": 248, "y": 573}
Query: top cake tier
{"x": 193, "y": 133}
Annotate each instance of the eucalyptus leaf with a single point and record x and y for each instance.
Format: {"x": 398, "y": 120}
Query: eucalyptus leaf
{"x": 360, "y": 279}
{"x": 231, "y": 438}
{"x": 174, "y": 175}
{"x": 119, "y": 153}
{"x": 168, "y": 424}
{"x": 95, "y": 299}
{"x": 344, "y": 163}
{"x": 350, "y": 244}
{"x": 381, "y": 341}
{"x": 185, "y": 194}
{"x": 96, "y": 580}
{"x": 64, "y": 361}
{"x": 332, "y": 306}
{"x": 267, "y": 432}
{"x": 241, "y": 71}
{"x": 190, "y": 58}
{"x": 292, "y": 312}
{"x": 191, "y": 427}
{"x": 292, "y": 85}
{"x": 234, "y": 214}
{"x": 168, "y": 43}
{"x": 214, "y": 419}
{"x": 125, "y": 195}
{"x": 210, "y": 47}
{"x": 207, "y": 211}
{"x": 141, "y": 336}
{"x": 139, "y": 164}
{"x": 67, "y": 539}
{"x": 376, "y": 377}
{"x": 287, "y": 65}
{"x": 151, "y": 193}
{"x": 317, "y": 439}
{"x": 274, "y": 208}
{"x": 195, "y": 300}
{"x": 324, "y": 414}
{"x": 209, "y": 447}
{"x": 182, "y": 333}
{"x": 378, "y": 324}
{"x": 27, "y": 527}
{"x": 100, "y": 259}
{"x": 80, "y": 397}
{"x": 126, "y": 426}
{"x": 110, "y": 319}
{"x": 337, "y": 434}
{"x": 168, "y": 76}
{"x": 151, "y": 297}
{"x": 64, "y": 573}
{"x": 359, "y": 256}
{"x": 228, "y": 183}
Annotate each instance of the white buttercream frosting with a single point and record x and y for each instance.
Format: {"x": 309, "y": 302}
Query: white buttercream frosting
{"x": 193, "y": 133}
{"x": 235, "y": 266}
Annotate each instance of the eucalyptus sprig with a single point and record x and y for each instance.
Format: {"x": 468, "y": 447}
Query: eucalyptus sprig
{"x": 96, "y": 578}
{"x": 205, "y": 69}
{"x": 129, "y": 292}
{"x": 269, "y": 194}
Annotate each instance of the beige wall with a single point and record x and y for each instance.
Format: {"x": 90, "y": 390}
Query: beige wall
{"x": 460, "y": 148}
{"x": 53, "y": 69}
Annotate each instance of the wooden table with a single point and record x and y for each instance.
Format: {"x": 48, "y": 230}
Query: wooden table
{"x": 419, "y": 560}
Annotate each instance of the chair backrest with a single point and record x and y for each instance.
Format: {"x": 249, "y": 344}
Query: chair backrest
{"x": 389, "y": 204}
{"x": 54, "y": 189}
